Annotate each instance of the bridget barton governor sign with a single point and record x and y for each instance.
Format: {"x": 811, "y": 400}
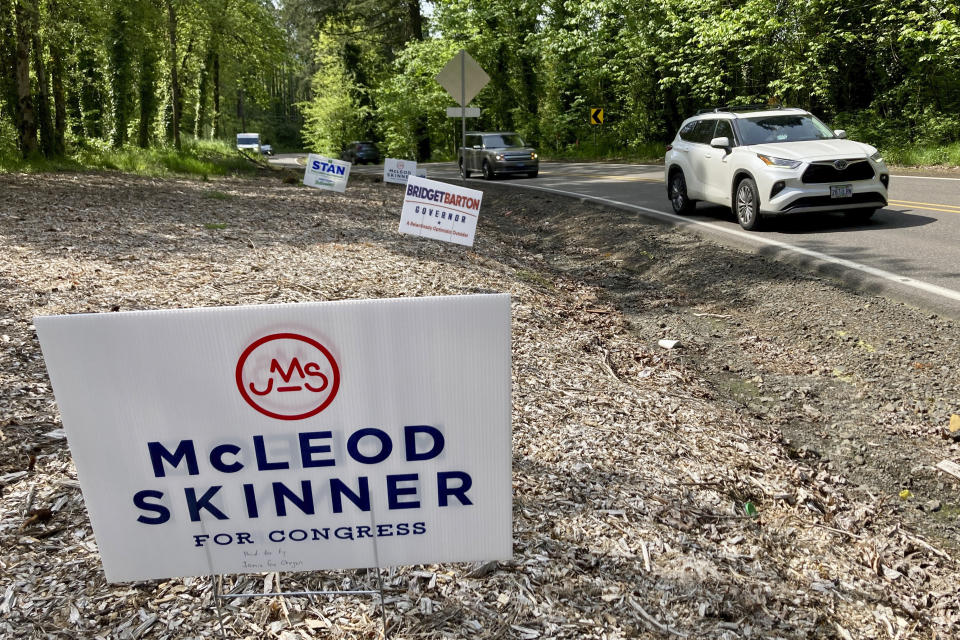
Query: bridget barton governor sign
{"x": 289, "y": 437}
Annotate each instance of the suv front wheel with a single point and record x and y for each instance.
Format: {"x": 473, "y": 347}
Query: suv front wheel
{"x": 487, "y": 171}
{"x": 746, "y": 204}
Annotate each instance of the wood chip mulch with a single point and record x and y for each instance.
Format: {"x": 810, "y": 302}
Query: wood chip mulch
{"x": 645, "y": 505}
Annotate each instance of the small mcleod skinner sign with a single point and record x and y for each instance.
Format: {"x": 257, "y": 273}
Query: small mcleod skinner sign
{"x": 397, "y": 171}
{"x": 289, "y": 437}
{"x": 440, "y": 211}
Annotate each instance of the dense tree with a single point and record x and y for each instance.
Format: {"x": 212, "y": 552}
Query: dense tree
{"x": 889, "y": 66}
{"x": 79, "y": 72}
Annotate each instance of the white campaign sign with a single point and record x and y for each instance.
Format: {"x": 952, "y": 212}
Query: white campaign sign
{"x": 441, "y": 211}
{"x": 397, "y": 171}
{"x": 326, "y": 173}
{"x": 289, "y": 437}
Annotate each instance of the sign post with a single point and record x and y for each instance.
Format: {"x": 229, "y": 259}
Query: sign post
{"x": 463, "y": 78}
{"x": 596, "y": 118}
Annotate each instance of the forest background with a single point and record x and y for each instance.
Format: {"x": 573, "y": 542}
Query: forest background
{"x": 109, "y": 82}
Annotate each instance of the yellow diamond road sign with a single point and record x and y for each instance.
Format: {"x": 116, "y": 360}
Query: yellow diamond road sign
{"x": 596, "y": 116}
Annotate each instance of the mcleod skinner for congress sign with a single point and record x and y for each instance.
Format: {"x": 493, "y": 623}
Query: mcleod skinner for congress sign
{"x": 289, "y": 437}
{"x": 397, "y": 171}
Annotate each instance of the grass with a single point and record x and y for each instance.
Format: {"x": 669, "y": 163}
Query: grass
{"x": 197, "y": 158}
{"x": 924, "y": 155}
{"x": 643, "y": 153}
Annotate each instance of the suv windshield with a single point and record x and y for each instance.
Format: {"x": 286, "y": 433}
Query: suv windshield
{"x": 503, "y": 140}
{"x": 797, "y": 128}
{"x": 248, "y": 140}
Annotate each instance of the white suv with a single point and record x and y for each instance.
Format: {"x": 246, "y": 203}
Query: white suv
{"x": 775, "y": 161}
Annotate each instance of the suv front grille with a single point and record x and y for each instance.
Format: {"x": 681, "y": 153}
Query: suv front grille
{"x": 820, "y": 172}
{"x": 872, "y": 198}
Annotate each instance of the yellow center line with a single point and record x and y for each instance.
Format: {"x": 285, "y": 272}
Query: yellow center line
{"x": 599, "y": 177}
{"x": 914, "y": 207}
{"x": 937, "y": 205}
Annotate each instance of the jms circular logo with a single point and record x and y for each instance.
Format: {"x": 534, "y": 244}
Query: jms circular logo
{"x": 288, "y": 376}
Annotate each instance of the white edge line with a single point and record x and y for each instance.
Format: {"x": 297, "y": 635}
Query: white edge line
{"x": 892, "y": 175}
{"x": 873, "y": 271}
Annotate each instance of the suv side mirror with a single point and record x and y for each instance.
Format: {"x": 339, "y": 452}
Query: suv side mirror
{"x": 720, "y": 143}
{"x": 840, "y": 133}
{"x": 476, "y": 146}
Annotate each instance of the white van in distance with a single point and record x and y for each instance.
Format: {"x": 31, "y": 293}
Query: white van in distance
{"x": 248, "y": 141}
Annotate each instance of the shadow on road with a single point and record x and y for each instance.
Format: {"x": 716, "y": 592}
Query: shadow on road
{"x": 825, "y": 222}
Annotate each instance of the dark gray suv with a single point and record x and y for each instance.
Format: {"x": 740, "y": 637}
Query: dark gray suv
{"x": 500, "y": 152}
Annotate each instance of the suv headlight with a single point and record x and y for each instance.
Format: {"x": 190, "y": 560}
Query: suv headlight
{"x": 770, "y": 161}
{"x": 877, "y": 157}
{"x": 533, "y": 155}
{"x": 499, "y": 156}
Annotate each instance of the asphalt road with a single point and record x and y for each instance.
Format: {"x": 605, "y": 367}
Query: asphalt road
{"x": 910, "y": 250}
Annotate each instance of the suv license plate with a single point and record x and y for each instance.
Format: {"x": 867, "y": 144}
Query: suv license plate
{"x": 841, "y": 191}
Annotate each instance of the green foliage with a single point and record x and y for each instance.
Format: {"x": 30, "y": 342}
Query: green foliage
{"x": 197, "y": 158}
{"x": 336, "y": 114}
{"x": 641, "y": 153}
{"x": 334, "y": 72}
{"x": 411, "y": 93}
{"x": 113, "y": 63}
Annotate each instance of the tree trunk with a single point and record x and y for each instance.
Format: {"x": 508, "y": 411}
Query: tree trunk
{"x": 56, "y": 78}
{"x": 183, "y": 74}
{"x": 174, "y": 81}
{"x": 148, "y": 95}
{"x": 8, "y": 60}
{"x": 240, "y": 112}
{"x": 91, "y": 99}
{"x": 201, "y": 121}
{"x": 216, "y": 96}
{"x": 421, "y": 130}
{"x": 27, "y": 120}
{"x": 74, "y": 92}
{"x": 121, "y": 72}
{"x": 44, "y": 115}
{"x": 59, "y": 103}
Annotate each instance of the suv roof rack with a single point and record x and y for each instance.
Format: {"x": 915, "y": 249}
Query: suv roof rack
{"x": 747, "y": 107}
